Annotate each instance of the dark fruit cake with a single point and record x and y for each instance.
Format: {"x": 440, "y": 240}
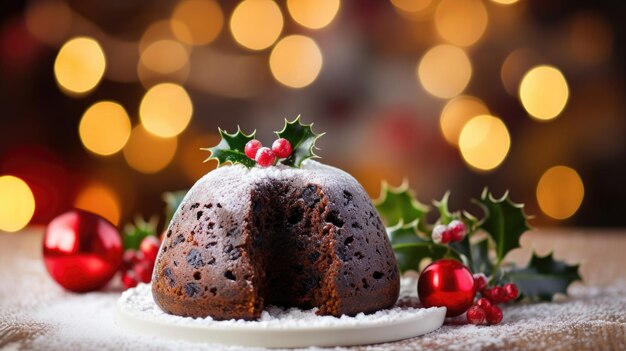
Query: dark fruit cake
{"x": 244, "y": 238}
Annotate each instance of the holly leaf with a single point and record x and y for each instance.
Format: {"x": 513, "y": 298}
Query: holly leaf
{"x": 480, "y": 257}
{"x": 543, "y": 277}
{"x": 135, "y": 232}
{"x": 410, "y": 255}
{"x": 405, "y": 233}
{"x": 445, "y": 216}
{"x": 504, "y": 220}
{"x": 302, "y": 140}
{"x": 231, "y": 149}
{"x": 399, "y": 204}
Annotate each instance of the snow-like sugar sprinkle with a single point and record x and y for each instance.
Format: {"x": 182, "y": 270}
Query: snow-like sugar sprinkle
{"x": 139, "y": 302}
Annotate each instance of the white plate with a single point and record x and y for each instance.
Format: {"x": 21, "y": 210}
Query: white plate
{"x": 380, "y": 327}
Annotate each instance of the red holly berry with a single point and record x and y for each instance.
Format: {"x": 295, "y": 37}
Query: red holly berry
{"x": 128, "y": 260}
{"x": 511, "y": 291}
{"x": 446, "y": 237}
{"x": 281, "y": 148}
{"x": 498, "y": 295}
{"x": 252, "y": 147}
{"x": 437, "y": 234}
{"x": 483, "y": 303}
{"x": 150, "y": 248}
{"x": 486, "y": 293}
{"x": 480, "y": 281}
{"x": 265, "y": 157}
{"x": 143, "y": 272}
{"x": 457, "y": 230}
{"x": 128, "y": 279}
{"x": 476, "y": 315}
{"x": 494, "y": 315}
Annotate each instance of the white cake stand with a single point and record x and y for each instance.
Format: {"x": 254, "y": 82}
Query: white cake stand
{"x": 404, "y": 323}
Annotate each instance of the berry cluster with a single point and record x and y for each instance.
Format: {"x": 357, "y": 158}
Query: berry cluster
{"x": 137, "y": 265}
{"x": 454, "y": 231}
{"x": 485, "y": 310}
{"x": 264, "y": 156}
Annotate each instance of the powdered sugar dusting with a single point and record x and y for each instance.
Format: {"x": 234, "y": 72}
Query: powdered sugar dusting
{"x": 139, "y": 302}
{"x": 36, "y": 314}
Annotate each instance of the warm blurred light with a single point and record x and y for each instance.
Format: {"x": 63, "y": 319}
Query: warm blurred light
{"x": 197, "y": 22}
{"x": 79, "y": 65}
{"x": 484, "y": 142}
{"x": 515, "y": 65}
{"x": 590, "y": 38}
{"x": 314, "y": 14}
{"x": 100, "y": 199}
{"x": 456, "y": 113}
{"x": 256, "y": 24}
{"x": 411, "y": 6}
{"x": 505, "y": 2}
{"x": 190, "y": 156}
{"x": 122, "y": 58}
{"x": 17, "y": 203}
{"x": 159, "y": 30}
{"x": 104, "y": 128}
{"x": 296, "y": 61}
{"x": 444, "y": 71}
{"x": 461, "y": 22}
{"x": 165, "y": 56}
{"x": 165, "y": 110}
{"x": 49, "y": 21}
{"x": 560, "y": 192}
{"x": 544, "y": 92}
{"x": 148, "y": 153}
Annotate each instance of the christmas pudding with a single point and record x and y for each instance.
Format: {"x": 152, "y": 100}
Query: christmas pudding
{"x": 274, "y": 228}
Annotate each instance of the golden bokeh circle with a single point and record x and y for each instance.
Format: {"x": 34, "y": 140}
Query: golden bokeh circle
{"x": 17, "y": 203}
{"x": 256, "y": 24}
{"x": 444, "y": 71}
{"x": 166, "y": 110}
{"x": 79, "y": 65}
{"x": 484, "y": 142}
{"x": 296, "y": 61}
{"x": 456, "y": 113}
{"x": 544, "y": 92}
{"x": 104, "y": 128}
{"x": 560, "y": 192}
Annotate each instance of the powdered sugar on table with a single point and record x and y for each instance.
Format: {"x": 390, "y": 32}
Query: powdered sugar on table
{"x": 282, "y": 327}
{"x": 139, "y": 302}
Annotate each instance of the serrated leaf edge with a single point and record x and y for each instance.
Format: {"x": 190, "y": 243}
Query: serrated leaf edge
{"x": 222, "y": 132}
{"x": 385, "y": 188}
{"x": 315, "y": 137}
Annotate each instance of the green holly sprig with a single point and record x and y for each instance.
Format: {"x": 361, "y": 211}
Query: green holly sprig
{"x": 484, "y": 248}
{"x": 231, "y": 148}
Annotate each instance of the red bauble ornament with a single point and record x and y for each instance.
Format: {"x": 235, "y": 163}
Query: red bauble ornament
{"x": 447, "y": 283}
{"x": 82, "y": 251}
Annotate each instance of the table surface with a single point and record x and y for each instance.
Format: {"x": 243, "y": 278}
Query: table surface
{"x": 37, "y": 314}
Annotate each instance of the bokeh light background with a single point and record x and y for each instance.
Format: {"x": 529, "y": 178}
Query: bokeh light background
{"x": 105, "y": 105}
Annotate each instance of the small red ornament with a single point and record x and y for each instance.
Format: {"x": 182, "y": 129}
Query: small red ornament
{"x": 281, "y": 148}
{"x": 265, "y": 157}
{"x": 446, "y": 283}
{"x": 82, "y": 251}
{"x": 252, "y": 147}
